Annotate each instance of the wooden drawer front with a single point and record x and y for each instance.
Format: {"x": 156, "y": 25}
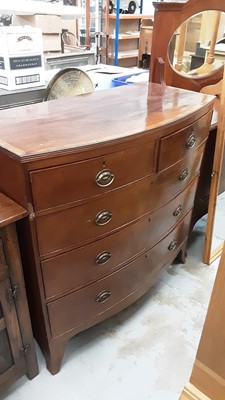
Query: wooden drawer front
{"x": 53, "y": 187}
{"x": 183, "y": 143}
{"x": 87, "y": 303}
{"x": 78, "y": 267}
{"x": 176, "y": 178}
{"x": 76, "y": 225}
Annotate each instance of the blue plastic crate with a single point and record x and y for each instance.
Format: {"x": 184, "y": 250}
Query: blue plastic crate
{"x": 125, "y": 80}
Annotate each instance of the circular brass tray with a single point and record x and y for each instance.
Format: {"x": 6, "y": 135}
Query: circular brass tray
{"x": 68, "y": 82}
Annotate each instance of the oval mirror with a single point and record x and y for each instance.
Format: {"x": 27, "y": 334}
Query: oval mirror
{"x": 197, "y": 48}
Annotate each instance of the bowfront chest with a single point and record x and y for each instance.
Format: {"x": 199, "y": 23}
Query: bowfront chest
{"x": 109, "y": 181}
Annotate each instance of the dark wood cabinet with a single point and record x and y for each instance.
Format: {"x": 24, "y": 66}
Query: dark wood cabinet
{"x": 17, "y": 353}
{"x": 109, "y": 181}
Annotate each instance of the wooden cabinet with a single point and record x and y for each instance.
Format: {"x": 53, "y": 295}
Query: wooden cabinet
{"x": 17, "y": 353}
{"x": 207, "y": 379}
{"x": 128, "y": 39}
{"x": 109, "y": 180}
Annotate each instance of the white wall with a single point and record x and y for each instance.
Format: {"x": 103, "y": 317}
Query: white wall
{"x": 148, "y": 8}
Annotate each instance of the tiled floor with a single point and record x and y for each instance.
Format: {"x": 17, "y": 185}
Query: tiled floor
{"x": 145, "y": 352}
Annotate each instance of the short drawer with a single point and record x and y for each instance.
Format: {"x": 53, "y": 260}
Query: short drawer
{"x": 183, "y": 143}
{"x": 79, "y": 267}
{"x": 62, "y": 230}
{"x": 96, "y": 299}
{"x": 174, "y": 179}
{"x": 65, "y": 184}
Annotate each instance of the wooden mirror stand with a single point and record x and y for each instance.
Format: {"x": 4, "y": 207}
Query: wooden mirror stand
{"x": 210, "y": 255}
{"x": 175, "y": 14}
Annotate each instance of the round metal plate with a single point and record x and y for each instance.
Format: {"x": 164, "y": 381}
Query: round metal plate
{"x": 68, "y": 82}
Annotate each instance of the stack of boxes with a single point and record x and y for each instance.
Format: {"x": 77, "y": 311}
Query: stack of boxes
{"x": 51, "y": 26}
{"x": 21, "y": 58}
{"x": 24, "y": 45}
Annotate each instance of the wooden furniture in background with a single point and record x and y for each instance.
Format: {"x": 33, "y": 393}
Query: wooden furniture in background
{"x": 110, "y": 200}
{"x": 17, "y": 352}
{"x": 128, "y": 40}
{"x": 145, "y": 43}
{"x": 88, "y": 22}
{"x": 207, "y": 381}
{"x": 176, "y": 13}
{"x": 209, "y": 64}
{"x": 181, "y": 46}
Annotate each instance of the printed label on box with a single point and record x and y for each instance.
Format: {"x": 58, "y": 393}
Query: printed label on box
{"x": 21, "y": 80}
{"x": 3, "y": 80}
{"x": 25, "y": 62}
{"x": 23, "y": 43}
{"x": 2, "y": 63}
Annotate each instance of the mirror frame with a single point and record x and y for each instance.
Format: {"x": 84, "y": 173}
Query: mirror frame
{"x": 176, "y": 13}
{"x": 210, "y": 255}
{"x": 161, "y": 71}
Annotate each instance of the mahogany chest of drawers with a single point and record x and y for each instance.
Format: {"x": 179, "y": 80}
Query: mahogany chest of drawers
{"x": 109, "y": 181}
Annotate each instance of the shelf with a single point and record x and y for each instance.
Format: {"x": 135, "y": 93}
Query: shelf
{"x": 130, "y": 16}
{"x": 125, "y": 37}
{"x": 125, "y": 54}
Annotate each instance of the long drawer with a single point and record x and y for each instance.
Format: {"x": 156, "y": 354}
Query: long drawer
{"x": 78, "y": 267}
{"x": 182, "y": 143}
{"x": 64, "y": 184}
{"x": 76, "y": 225}
{"x": 95, "y": 299}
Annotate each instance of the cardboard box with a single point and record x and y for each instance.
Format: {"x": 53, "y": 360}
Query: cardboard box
{"x": 51, "y": 42}
{"x": 21, "y": 58}
{"x": 70, "y": 25}
{"x": 47, "y": 23}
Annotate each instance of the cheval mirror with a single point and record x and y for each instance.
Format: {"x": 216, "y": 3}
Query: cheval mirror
{"x": 188, "y": 51}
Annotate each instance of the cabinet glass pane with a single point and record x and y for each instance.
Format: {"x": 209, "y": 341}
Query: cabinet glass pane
{"x": 2, "y": 254}
{"x": 6, "y": 358}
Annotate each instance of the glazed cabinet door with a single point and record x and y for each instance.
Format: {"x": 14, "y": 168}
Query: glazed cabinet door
{"x": 17, "y": 354}
{"x": 12, "y": 360}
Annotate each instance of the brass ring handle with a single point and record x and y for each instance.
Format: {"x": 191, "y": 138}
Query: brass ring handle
{"x": 178, "y": 210}
{"x": 191, "y": 141}
{"x": 104, "y": 178}
{"x": 103, "y": 258}
{"x": 103, "y": 296}
{"x": 172, "y": 245}
{"x": 184, "y": 174}
{"x": 103, "y": 217}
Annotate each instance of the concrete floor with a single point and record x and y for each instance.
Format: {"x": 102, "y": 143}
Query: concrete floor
{"x": 145, "y": 352}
